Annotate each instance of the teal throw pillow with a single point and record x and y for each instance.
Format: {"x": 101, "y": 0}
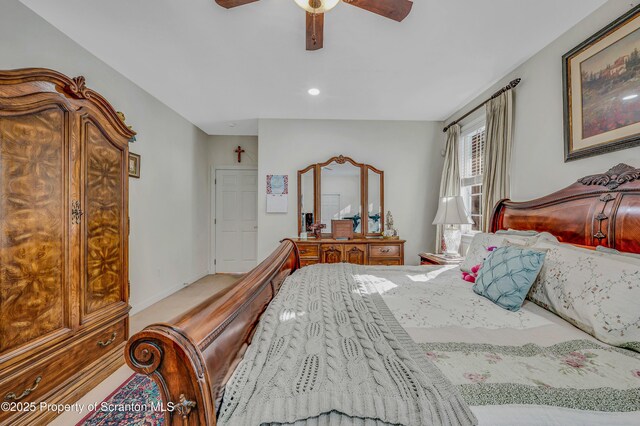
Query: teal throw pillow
{"x": 507, "y": 274}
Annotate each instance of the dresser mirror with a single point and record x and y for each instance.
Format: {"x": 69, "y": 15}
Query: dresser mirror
{"x": 306, "y": 198}
{"x": 341, "y": 188}
{"x": 374, "y": 201}
{"x": 340, "y": 195}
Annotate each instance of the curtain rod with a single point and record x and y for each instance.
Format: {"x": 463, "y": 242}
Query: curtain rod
{"x": 512, "y": 84}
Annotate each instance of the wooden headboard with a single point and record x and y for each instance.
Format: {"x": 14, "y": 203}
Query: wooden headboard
{"x": 601, "y": 209}
{"x": 193, "y": 356}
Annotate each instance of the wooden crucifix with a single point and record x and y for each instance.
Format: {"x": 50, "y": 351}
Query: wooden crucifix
{"x": 239, "y": 151}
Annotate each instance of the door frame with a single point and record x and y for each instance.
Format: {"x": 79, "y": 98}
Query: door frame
{"x": 212, "y": 208}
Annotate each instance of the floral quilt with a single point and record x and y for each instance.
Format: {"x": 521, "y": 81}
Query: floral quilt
{"x": 496, "y": 357}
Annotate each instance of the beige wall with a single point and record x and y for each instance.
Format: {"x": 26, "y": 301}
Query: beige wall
{"x": 221, "y": 151}
{"x": 408, "y": 152}
{"x": 222, "y": 155}
{"x": 169, "y": 204}
{"x": 538, "y": 158}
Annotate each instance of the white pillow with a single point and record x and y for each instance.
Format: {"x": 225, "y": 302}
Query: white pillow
{"x": 614, "y": 252}
{"x": 596, "y": 292}
{"x": 477, "y": 252}
{"x": 517, "y": 232}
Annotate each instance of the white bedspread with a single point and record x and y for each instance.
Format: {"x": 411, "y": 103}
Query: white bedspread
{"x": 502, "y": 360}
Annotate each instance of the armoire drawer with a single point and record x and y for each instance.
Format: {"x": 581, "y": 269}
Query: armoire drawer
{"x": 34, "y": 382}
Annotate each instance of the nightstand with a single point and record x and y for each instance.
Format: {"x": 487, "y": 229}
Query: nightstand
{"x": 438, "y": 259}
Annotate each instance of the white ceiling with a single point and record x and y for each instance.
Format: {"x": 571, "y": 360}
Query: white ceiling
{"x": 216, "y": 66}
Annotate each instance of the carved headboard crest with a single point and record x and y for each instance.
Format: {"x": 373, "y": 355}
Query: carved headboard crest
{"x": 614, "y": 177}
{"x": 600, "y": 209}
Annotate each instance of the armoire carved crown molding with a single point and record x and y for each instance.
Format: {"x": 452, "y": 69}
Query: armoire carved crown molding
{"x": 78, "y": 88}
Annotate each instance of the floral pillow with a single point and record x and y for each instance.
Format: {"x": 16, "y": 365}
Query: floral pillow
{"x": 597, "y": 293}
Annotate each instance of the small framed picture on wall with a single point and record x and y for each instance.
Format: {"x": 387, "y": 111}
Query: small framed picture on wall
{"x": 134, "y": 165}
{"x": 602, "y": 90}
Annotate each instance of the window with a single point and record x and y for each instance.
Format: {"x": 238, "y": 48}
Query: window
{"x": 471, "y": 169}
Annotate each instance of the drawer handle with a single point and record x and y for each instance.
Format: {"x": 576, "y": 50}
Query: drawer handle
{"x": 303, "y": 251}
{"x": 108, "y": 342}
{"x": 385, "y": 250}
{"x": 11, "y": 396}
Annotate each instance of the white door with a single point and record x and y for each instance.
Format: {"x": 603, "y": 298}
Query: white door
{"x": 329, "y": 209}
{"x": 236, "y": 220}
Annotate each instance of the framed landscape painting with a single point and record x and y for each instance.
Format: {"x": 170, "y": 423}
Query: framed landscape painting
{"x": 602, "y": 90}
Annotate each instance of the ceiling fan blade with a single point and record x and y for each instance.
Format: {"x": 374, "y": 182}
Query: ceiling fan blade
{"x": 228, "y": 4}
{"x": 392, "y": 9}
{"x": 315, "y": 31}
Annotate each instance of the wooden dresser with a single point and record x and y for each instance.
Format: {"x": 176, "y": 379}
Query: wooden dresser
{"x": 63, "y": 241}
{"x": 362, "y": 251}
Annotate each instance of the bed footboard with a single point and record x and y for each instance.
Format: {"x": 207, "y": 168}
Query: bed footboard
{"x": 193, "y": 356}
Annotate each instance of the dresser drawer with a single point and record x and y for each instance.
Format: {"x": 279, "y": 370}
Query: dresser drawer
{"x": 384, "y": 250}
{"x": 35, "y": 381}
{"x": 386, "y": 262}
{"x": 308, "y": 262}
{"x": 309, "y": 251}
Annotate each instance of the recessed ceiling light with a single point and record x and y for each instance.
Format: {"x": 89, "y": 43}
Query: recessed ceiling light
{"x": 314, "y": 92}
{"x": 628, "y": 98}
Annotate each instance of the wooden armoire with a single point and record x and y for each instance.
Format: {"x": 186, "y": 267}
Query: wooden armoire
{"x": 63, "y": 241}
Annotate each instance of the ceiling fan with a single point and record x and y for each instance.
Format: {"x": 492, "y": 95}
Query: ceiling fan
{"x": 392, "y": 9}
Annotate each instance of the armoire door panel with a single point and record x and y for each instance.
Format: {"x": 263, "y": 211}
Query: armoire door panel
{"x": 33, "y": 232}
{"x": 104, "y": 280}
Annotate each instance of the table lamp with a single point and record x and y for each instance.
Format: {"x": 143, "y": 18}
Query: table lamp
{"x": 451, "y": 211}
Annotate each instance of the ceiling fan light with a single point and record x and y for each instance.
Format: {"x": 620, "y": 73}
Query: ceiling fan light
{"x": 317, "y": 6}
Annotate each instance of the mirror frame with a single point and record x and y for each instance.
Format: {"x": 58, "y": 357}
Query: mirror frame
{"x": 364, "y": 193}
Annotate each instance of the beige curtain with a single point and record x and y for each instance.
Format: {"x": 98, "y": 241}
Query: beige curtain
{"x": 497, "y": 154}
{"x": 450, "y": 183}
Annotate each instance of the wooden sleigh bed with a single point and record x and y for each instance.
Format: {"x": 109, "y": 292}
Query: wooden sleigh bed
{"x": 192, "y": 357}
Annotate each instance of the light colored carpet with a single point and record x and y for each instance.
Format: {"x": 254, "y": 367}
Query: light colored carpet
{"x": 181, "y": 301}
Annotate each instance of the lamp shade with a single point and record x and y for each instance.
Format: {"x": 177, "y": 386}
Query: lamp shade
{"x": 451, "y": 211}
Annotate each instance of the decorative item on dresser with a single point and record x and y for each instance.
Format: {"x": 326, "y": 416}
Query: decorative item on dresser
{"x": 342, "y": 229}
{"x": 361, "y": 251}
{"x": 390, "y": 233}
{"x": 64, "y": 254}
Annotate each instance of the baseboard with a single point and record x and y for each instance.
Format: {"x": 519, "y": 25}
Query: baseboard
{"x": 159, "y": 296}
